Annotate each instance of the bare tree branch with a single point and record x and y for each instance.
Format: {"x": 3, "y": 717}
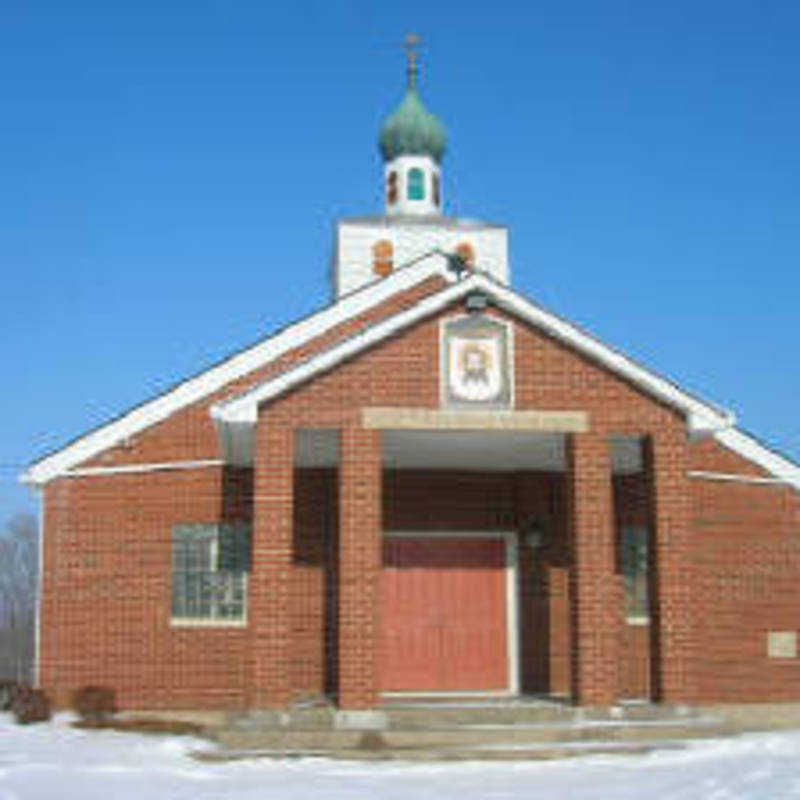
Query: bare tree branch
{"x": 18, "y": 573}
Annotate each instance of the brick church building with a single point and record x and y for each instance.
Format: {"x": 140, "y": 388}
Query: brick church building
{"x": 431, "y": 487}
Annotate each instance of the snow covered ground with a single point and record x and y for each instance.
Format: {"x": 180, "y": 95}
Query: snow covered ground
{"x": 56, "y": 761}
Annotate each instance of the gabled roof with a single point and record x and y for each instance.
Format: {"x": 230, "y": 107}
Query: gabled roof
{"x": 236, "y": 366}
{"x": 701, "y": 416}
{"x": 237, "y": 414}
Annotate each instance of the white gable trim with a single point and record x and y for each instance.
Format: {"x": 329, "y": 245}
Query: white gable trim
{"x": 244, "y": 408}
{"x": 195, "y": 389}
{"x": 238, "y": 414}
{"x": 701, "y": 417}
{"x": 727, "y": 477}
{"x": 751, "y": 449}
{"x": 136, "y": 469}
{"x": 241, "y": 412}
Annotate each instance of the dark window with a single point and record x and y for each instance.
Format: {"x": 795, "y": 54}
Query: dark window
{"x": 634, "y": 547}
{"x": 416, "y": 184}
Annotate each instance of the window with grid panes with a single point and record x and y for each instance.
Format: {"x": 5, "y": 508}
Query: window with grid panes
{"x": 210, "y": 563}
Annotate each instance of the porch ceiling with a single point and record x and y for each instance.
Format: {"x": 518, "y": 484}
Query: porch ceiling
{"x": 469, "y": 450}
{"x": 474, "y": 450}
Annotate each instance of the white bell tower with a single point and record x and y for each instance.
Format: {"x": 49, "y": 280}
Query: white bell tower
{"x": 412, "y": 227}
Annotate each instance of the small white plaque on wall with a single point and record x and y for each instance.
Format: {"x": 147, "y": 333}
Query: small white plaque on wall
{"x": 782, "y": 644}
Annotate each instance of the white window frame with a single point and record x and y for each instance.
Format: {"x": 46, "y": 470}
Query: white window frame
{"x": 212, "y": 621}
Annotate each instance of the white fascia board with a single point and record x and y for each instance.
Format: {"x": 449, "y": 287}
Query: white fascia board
{"x": 700, "y": 416}
{"x": 137, "y": 469}
{"x": 751, "y": 449}
{"x": 244, "y": 408}
{"x": 732, "y": 477}
{"x": 213, "y": 379}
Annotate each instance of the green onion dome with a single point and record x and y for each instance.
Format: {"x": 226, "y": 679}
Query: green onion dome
{"x": 412, "y": 130}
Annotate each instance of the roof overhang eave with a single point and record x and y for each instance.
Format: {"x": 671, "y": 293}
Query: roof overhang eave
{"x": 189, "y": 391}
{"x": 702, "y": 418}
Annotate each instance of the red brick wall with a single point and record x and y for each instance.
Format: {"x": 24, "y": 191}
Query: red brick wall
{"x": 360, "y": 509}
{"x": 747, "y": 560}
{"x": 106, "y": 601}
{"x": 106, "y": 622}
{"x": 709, "y": 455}
{"x": 595, "y": 586}
{"x": 414, "y": 500}
{"x": 746, "y": 557}
{"x": 106, "y": 593}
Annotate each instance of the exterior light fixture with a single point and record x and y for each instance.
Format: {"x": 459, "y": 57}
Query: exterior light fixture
{"x": 476, "y": 302}
{"x": 536, "y": 534}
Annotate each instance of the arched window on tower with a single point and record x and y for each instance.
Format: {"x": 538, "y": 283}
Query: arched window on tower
{"x": 416, "y": 184}
{"x": 436, "y": 191}
{"x": 391, "y": 188}
{"x": 382, "y": 257}
{"x": 466, "y": 252}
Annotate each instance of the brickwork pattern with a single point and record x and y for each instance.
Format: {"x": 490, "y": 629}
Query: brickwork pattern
{"x": 674, "y": 576}
{"x": 746, "y": 556}
{"x": 595, "y": 585}
{"x": 359, "y": 566}
{"x": 106, "y": 589}
{"x": 106, "y": 593}
{"x": 271, "y": 572}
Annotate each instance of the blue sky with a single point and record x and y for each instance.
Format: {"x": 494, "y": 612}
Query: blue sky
{"x": 171, "y": 171}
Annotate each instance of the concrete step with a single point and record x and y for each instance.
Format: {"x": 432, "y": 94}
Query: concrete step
{"x": 287, "y": 739}
{"x": 407, "y": 717}
{"x": 311, "y": 719}
{"x": 439, "y": 716}
{"x": 469, "y": 736}
{"x": 502, "y": 752}
{"x": 416, "y": 717}
{"x": 419, "y": 716}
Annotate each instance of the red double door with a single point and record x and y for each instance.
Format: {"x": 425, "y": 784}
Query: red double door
{"x": 443, "y": 614}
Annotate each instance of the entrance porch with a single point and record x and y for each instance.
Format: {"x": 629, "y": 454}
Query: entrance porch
{"x": 453, "y": 564}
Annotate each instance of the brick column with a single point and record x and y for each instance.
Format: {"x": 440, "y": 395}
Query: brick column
{"x": 270, "y": 574}
{"x": 360, "y": 523}
{"x": 672, "y": 570}
{"x": 595, "y": 587}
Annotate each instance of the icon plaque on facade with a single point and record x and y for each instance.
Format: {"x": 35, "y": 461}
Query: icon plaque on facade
{"x": 476, "y": 369}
